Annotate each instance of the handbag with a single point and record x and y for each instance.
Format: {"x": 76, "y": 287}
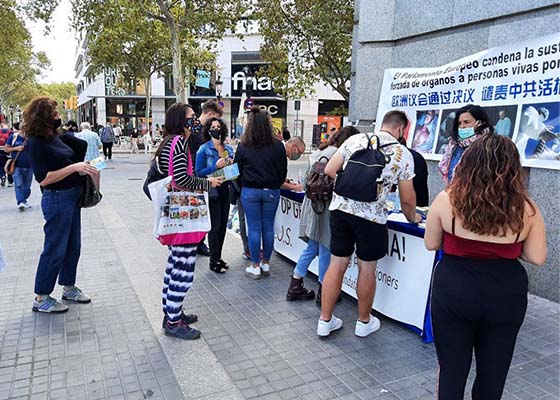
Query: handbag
{"x": 181, "y": 216}
{"x": 10, "y": 166}
{"x": 90, "y": 195}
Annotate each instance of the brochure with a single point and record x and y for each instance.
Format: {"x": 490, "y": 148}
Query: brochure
{"x": 98, "y": 163}
{"x": 229, "y": 173}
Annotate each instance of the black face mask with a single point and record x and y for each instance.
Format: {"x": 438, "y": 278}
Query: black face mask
{"x": 215, "y": 133}
{"x": 57, "y": 123}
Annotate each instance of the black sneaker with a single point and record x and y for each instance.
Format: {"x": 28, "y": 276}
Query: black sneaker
{"x": 203, "y": 250}
{"x": 181, "y": 331}
{"x": 3, "y": 181}
{"x": 186, "y": 318}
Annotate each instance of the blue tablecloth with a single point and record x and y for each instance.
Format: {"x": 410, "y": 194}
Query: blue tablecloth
{"x": 410, "y": 229}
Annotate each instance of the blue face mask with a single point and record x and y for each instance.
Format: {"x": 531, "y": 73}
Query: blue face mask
{"x": 465, "y": 133}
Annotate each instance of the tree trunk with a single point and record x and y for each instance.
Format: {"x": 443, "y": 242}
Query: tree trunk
{"x": 148, "y": 86}
{"x": 178, "y": 74}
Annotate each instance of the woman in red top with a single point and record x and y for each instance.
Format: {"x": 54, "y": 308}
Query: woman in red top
{"x": 485, "y": 222}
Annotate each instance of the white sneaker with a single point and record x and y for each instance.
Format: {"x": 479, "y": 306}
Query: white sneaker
{"x": 324, "y": 328}
{"x": 21, "y": 206}
{"x": 363, "y": 330}
{"x": 265, "y": 269}
{"x": 252, "y": 272}
{"x": 26, "y": 204}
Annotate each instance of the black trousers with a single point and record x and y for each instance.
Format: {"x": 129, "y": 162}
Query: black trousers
{"x": 219, "y": 213}
{"x": 480, "y": 305}
{"x": 108, "y": 150}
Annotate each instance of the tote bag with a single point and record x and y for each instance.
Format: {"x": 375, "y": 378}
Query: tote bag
{"x": 181, "y": 216}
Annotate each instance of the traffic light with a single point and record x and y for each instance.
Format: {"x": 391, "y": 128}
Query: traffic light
{"x": 73, "y": 102}
{"x": 65, "y": 104}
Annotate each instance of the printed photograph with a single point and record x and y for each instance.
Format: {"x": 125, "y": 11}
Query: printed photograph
{"x": 445, "y": 130}
{"x": 502, "y": 119}
{"x": 539, "y": 132}
{"x": 425, "y": 131}
{"x": 174, "y": 212}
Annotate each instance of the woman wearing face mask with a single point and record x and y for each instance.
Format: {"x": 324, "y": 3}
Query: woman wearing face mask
{"x": 263, "y": 167}
{"x": 471, "y": 122}
{"x": 57, "y": 162}
{"x": 180, "y": 121}
{"x": 212, "y": 156}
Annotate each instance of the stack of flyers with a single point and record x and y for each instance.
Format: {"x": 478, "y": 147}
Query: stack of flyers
{"x": 98, "y": 163}
{"x": 229, "y": 173}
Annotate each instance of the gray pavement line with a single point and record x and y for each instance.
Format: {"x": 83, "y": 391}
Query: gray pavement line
{"x": 198, "y": 371}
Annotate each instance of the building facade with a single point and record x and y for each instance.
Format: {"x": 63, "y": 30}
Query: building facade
{"x": 401, "y": 34}
{"x": 108, "y": 97}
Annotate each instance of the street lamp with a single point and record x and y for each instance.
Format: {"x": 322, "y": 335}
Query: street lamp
{"x": 219, "y": 86}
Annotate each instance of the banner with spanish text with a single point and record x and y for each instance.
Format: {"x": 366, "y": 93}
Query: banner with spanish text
{"x": 518, "y": 85}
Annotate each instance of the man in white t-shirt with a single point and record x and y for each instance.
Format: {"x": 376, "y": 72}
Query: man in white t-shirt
{"x": 362, "y": 225}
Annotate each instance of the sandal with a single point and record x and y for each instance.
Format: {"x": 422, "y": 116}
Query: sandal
{"x": 223, "y": 264}
{"x": 217, "y": 268}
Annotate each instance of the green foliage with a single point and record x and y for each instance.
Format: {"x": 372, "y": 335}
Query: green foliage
{"x": 307, "y": 41}
{"x": 19, "y": 65}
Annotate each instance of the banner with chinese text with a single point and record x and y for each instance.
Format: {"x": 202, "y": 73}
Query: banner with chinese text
{"x": 518, "y": 85}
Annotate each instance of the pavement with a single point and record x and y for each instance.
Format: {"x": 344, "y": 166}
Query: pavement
{"x": 254, "y": 344}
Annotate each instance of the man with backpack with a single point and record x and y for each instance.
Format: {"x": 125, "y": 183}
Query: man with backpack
{"x": 365, "y": 167}
{"x": 107, "y": 137}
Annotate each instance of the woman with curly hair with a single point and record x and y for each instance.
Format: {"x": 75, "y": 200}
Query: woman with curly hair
{"x": 484, "y": 221}
{"x": 57, "y": 162}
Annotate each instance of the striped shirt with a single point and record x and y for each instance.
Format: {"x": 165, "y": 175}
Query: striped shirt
{"x": 93, "y": 143}
{"x": 180, "y": 166}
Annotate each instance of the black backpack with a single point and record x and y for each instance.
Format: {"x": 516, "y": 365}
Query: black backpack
{"x": 362, "y": 175}
{"x": 319, "y": 186}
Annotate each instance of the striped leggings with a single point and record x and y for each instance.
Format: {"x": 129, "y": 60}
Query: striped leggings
{"x": 178, "y": 278}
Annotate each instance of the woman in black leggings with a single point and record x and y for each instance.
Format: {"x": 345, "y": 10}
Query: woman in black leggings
{"x": 484, "y": 221}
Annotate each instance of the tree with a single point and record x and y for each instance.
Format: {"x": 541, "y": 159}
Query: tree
{"x": 193, "y": 26}
{"x": 19, "y": 65}
{"x": 305, "y": 42}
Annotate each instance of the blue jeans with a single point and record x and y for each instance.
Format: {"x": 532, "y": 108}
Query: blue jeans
{"x": 61, "y": 250}
{"x": 260, "y": 209}
{"x": 22, "y": 179}
{"x": 313, "y": 250}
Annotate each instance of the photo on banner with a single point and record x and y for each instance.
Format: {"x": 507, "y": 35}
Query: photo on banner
{"x": 518, "y": 85}
{"x": 539, "y": 132}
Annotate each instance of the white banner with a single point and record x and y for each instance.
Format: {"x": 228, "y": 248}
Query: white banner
{"x": 518, "y": 85}
{"x": 403, "y": 276}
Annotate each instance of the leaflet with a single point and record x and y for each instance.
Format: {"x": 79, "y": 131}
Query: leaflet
{"x": 229, "y": 173}
{"x": 98, "y": 163}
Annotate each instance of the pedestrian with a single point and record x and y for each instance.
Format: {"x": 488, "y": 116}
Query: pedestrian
{"x": 57, "y": 163}
{"x": 420, "y": 180}
{"x": 263, "y": 167}
{"x": 118, "y": 133}
{"x": 107, "y": 137}
{"x": 470, "y": 123}
{"x": 212, "y": 156}
{"x": 210, "y": 109}
{"x": 314, "y": 228}
{"x": 484, "y": 221}
{"x": 23, "y": 174}
{"x": 71, "y": 127}
{"x": 5, "y": 133}
{"x": 92, "y": 139}
{"x": 361, "y": 225}
{"x": 147, "y": 139}
{"x": 180, "y": 120}
{"x": 134, "y": 141}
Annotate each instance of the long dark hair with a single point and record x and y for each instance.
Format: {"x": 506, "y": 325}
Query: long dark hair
{"x": 339, "y": 137}
{"x": 258, "y": 131}
{"x": 206, "y": 130}
{"x": 488, "y": 190}
{"x": 175, "y": 121}
{"x": 478, "y": 113}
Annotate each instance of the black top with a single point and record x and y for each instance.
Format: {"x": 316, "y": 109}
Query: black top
{"x": 420, "y": 180}
{"x": 52, "y": 154}
{"x": 263, "y": 167}
{"x": 180, "y": 166}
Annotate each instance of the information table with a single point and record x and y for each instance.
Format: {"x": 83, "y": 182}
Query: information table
{"x": 403, "y": 276}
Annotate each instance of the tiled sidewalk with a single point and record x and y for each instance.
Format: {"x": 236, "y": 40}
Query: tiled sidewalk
{"x": 255, "y": 344}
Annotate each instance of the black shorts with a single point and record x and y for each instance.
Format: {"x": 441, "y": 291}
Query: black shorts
{"x": 347, "y": 231}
